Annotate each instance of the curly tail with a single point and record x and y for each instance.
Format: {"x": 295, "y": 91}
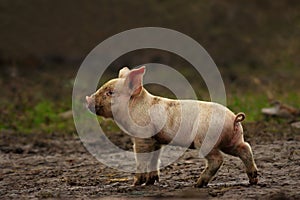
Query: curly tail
{"x": 238, "y": 118}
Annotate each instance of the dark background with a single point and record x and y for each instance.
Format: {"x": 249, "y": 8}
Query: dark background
{"x": 255, "y": 44}
{"x": 251, "y": 33}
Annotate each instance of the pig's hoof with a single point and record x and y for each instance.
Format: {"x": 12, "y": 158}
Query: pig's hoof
{"x": 152, "y": 177}
{"x": 201, "y": 184}
{"x": 253, "y": 181}
{"x": 139, "y": 179}
{"x": 147, "y": 178}
{"x": 253, "y": 177}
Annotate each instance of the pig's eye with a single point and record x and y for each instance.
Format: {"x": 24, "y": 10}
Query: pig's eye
{"x": 109, "y": 93}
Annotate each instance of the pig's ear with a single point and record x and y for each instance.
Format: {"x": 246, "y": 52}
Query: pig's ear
{"x": 134, "y": 80}
{"x": 123, "y": 72}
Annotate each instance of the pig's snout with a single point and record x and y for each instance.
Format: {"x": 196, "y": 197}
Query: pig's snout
{"x": 90, "y": 104}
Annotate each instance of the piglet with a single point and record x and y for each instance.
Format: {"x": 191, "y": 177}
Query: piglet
{"x": 153, "y": 121}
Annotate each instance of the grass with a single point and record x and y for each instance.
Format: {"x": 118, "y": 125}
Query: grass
{"x": 45, "y": 117}
{"x": 250, "y": 104}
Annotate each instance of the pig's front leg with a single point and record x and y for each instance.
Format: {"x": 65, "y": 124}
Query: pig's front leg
{"x": 147, "y": 169}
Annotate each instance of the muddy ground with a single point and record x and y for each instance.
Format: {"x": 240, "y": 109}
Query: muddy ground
{"x": 58, "y": 166}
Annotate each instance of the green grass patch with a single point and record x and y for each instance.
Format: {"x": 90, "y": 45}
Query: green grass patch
{"x": 44, "y": 116}
{"x": 251, "y": 104}
{"x": 41, "y": 117}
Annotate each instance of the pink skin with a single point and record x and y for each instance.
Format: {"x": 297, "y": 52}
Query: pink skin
{"x": 128, "y": 88}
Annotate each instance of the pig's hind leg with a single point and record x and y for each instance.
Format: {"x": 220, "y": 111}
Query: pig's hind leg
{"x": 244, "y": 152}
{"x": 214, "y": 161}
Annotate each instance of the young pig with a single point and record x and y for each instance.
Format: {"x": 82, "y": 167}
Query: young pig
{"x": 154, "y": 121}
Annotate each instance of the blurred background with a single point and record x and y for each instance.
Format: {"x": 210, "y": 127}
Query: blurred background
{"x": 255, "y": 45}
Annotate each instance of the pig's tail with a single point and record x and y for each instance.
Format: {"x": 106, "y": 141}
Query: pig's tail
{"x": 238, "y": 118}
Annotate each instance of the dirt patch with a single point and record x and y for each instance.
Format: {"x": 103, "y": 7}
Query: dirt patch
{"x": 58, "y": 166}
